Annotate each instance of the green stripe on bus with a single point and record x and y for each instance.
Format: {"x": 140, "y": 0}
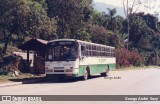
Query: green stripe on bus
{"x": 95, "y": 69}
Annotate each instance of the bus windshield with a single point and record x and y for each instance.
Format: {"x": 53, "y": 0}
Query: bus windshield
{"x": 62, "y": 52}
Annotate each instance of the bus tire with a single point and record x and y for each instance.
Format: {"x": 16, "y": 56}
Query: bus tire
{"x": 105, "y": 73}
{"x": 86, "y": 74}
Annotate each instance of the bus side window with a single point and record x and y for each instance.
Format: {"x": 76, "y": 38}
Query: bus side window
{"x": 114, "y": 53}
{"x": 101, "y": 51}
{"x": 53, "y": 53}
{"x": 105, "y": 52}
{"x": 50, "y": 54}
{"x": 95, "y": 50}
{"x": 83, "y": 50}
{"x": 87, "y": 50}
{"x": 108, "y": 52}
{"x": 90, "y": 50}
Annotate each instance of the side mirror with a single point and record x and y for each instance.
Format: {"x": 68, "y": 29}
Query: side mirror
{"x": 81, "y": 58}
{"x": 83, "y": 48}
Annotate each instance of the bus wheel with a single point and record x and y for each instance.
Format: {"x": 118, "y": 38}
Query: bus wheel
{"x": 105, "y": 73}
{"x": 85, "y": 77}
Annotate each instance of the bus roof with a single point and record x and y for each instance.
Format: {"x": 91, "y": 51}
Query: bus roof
{"x": 80, "y": 42}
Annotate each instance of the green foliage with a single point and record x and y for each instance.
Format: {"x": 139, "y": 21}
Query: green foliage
{"x": 99, "y": 35}
{"x": 112, "y": 20}
{"x": 115, "y": 40}
{"x": 24, "y": 18}
{"x": 51, "y": 19}
{"x": 5, "y": 64}
{"x": 72, "y": 17}
{"x": 141, "y": 32}
{"x": 100, "y": 19}
{"x": 42, "y": 3}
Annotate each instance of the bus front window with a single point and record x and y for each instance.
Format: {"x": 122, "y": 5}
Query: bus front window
{"x": 49, "y": 54}
{"x": 69, "y": 53}
{"x": 63, "y": 53}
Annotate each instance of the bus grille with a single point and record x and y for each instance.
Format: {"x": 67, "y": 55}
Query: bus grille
{"x": 58, "y": 67}
{"x": 58, "y": 70}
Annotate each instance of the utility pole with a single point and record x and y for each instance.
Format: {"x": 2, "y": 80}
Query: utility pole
{"x": 127, "y": 10}
{"x": 128, "y": 24}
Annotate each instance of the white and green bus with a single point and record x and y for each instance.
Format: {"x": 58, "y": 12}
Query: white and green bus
{"x": 76, "y": 58}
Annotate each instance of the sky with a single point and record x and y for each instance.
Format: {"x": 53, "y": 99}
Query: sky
{"x": 147, "y": 6}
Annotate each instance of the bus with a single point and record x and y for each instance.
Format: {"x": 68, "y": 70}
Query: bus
{"x": 76, "y": 58}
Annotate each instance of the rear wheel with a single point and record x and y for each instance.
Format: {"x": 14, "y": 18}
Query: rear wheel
{"x": 105, "y": 73}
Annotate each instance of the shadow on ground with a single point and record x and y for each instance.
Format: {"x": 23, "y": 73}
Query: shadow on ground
{"x": 68, "y": 80}
{"x": 43, "y": 80}
{"x": 28, "y": 80}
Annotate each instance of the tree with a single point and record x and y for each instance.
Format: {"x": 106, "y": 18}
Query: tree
{"x": 100, "y": 35}
{"x": 132, "y": 7}
{"x": 119, "y": 23}
{"x": 100, "y": 19}
{"x": 141, "y": 32}
{"x": 72, "y": 16}
{"x": 112, "y": 22}
{"x": 23, "y": 18}
{"x": 104, "y": 22}
{"x": 151, "y": 21}
{"x": 115, "y": 40}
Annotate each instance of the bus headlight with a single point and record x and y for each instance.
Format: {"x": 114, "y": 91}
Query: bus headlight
{"x": 71, "y": 68}
{"x": 68, "y": 70}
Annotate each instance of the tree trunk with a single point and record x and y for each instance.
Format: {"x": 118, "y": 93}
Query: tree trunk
{"x": 6, "y": 42}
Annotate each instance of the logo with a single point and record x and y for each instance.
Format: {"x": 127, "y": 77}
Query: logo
{"x": 6, "y": 98}
{"x": 21, "y": 98}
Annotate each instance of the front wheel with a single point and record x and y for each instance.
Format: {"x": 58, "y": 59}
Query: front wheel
{"x": 85, "y": 77}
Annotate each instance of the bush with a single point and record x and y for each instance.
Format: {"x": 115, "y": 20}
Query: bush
{"x": 126, "y": 58}
{"x": 135, "y": 58}
{"x": 6, "y": 63}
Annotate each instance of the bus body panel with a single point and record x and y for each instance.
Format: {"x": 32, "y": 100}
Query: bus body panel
{"x": 96, "y": 65}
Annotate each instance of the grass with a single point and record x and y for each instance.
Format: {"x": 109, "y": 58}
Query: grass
{"x": 7, "y": 78}
{"x": 136, "y": 68}
{"x": 4, "y": 78}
